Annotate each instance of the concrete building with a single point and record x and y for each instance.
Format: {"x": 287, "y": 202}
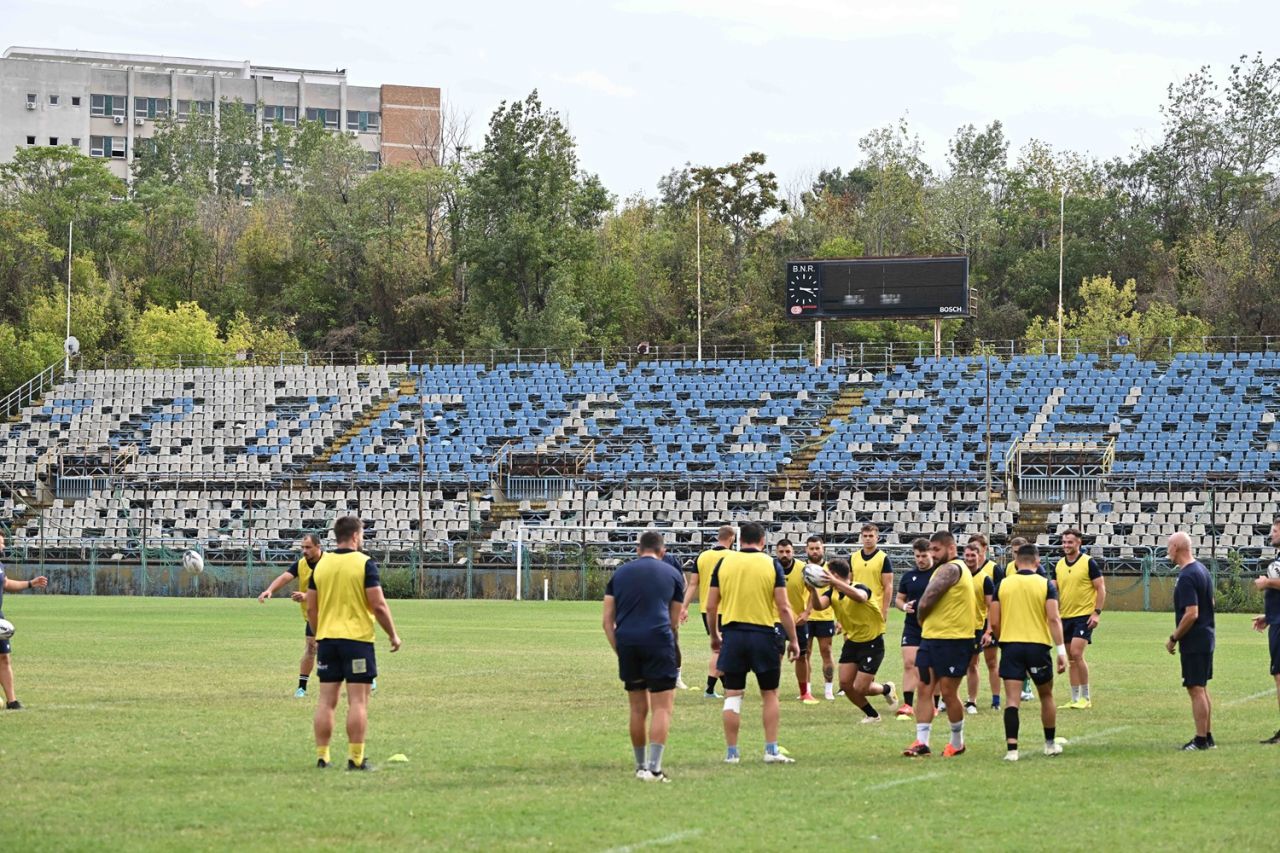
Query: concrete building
{"x": 105, "y": 104}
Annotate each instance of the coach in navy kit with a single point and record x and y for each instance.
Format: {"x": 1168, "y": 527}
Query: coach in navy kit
{"x": 641, "y": 604}
{"x": 1269, "y": 621}
{"x": 1193, "y": 636}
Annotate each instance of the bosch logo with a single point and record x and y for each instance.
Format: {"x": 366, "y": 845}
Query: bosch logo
{"x": 950, "y": 309}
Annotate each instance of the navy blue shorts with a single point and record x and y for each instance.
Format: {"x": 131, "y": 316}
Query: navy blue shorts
{"x": 823, "y": 629}
{"x": 944, "y": 658}
{"x": 351, "y": 661}
{"x": 4, "y": 647}
{"x": 756, "y": 652}
{"x": 1077, "y": 627}
{"x": 1273, "y": 640}
{"x": 1019, "y": 661}
{"x": 647, "y": 666}
{"x": 802, "y": 636}
{"x": 866, "y": 656}
{"x": 911, "y": 635}
{"x": 1197, "y": 668}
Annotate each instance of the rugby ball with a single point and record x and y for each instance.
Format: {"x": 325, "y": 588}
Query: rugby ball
{"x": 6, "y": 629}
{"x": 1273, "y": 570}
{"x": 193, "y": 562}
{"x": 815, "y": 577}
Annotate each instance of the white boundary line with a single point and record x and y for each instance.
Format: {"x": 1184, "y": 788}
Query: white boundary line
{"x": 884, "y": 786}
{"x": 1244, "y": 699}
{"x": 657, "y": 842}
{"x": 1096, "y": 735}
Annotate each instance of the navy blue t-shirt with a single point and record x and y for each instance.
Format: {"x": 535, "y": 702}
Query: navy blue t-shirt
{"x": 643, "y": 590}
{"x": 1195, "y": 589}
{"x": 1271, "y": 597}
{"x": 912, "y": 585}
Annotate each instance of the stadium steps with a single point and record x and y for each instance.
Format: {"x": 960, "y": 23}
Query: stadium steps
{"x": 796, "y": 471}
{"x": 367, "y": 417}
{"x": 1033, "y": 519}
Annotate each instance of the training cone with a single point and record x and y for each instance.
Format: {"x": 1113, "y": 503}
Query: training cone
{"x": 398, "y": 758}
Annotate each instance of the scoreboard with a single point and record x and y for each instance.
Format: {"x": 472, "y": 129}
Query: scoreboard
{"x": 878, "y": 288}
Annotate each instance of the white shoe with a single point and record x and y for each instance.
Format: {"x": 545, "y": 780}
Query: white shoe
{"x": 778, "y": 758}
{"x": 732, "y": 759}
{"x": 970, "y": 707}
{"x": 1027, "y": 696}
{"x": 1011, "y": 755}
{"x": 642, "y": 773}
{"x": 650, "y": 776}
{"x": 868, "y": 721}
{"x": 680, "y": 685}
{"x": 830, "y": 697}
{"x": 890, "y": 694}
{"x": 1054, "y": 748}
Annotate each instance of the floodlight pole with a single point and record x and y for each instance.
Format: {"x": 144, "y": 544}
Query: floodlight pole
{"x": 66, "y": 363}
{"x": 422, "y": 429}
{"x": 698, "y": 227}
{"x": 1062, "y": 219}
{"x": 987, "y": 353}
{"x": 817, "y": 343}
{"x": 937, "y": 338}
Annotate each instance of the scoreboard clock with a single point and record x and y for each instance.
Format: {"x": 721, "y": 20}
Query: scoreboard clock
{"x": 878, "y": 288}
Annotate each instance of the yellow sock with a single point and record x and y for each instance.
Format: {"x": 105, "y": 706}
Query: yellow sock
{"x": 322, "y": 752}
{"x": 355, "y": 751}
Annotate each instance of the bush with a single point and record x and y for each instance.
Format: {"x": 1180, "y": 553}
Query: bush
{"x": 1236, "y": 592}
{"x": 398, "y": 583}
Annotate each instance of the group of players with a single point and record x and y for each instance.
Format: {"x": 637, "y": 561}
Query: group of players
{"x": 960, "y": 609}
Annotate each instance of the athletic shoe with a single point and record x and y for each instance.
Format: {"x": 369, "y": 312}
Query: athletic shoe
{"x": 680, "y": 685}
{"x": 1213, "y": 744}
{"x": 1086, "y": 704}
{"x": 778, "y": 758}
{"x": 906, "y": 712}
{"x": 830, "y": 697}
{"x": 971, "y": 707}
{"x": 917, "y": 750}
{"x": 995, "y": 703}
{"x": 650, "y": 776}
{"x": 732, "y": 759}
{"x": 869, "y": 720}
{"x": 1275, "y": 738}
{"x": 1073, "y": 705}
{"x": 1011, "y": 755}
{"x": 363, "y": 765}
{"x": 642, "y": 772}
{"x": 15, "y": 705}
{"x": 321, "y": 764}
{"x": 1190, "y": 746}
{"x": 890, "y": 694}
{"x": 1027, "y": 696}
{"x": 809, "y": 699}
{"x": 950, "y": 751}
{"x": 711, "y": 694}
{"x": 300, "y": 693}
{"x": 839, "y": 692}
{"x": 1054, "y": 748}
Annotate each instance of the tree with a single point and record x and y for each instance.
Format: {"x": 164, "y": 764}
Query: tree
{"x": 894, "y": 210}
{"x": 1110, "y": 311}
{"x": 737, "y": 196}
{"x": 185, "y": 330}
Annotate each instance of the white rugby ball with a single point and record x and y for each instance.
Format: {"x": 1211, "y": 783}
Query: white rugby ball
{"x": 815, "y": 576}
{"x": 193, "y": 562}
{"x": 1273, "y": 570}
{"x": 6, "y": 629}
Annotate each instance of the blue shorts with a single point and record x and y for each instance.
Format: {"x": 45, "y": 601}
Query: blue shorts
{"x": 1077, "y": 627}
{"x": 1273, "y": 640}
{"x": 822, "y": 629}
{"x": 647, "y": 666}
{"x": 866, "y": 656}
{"x": 1197, "y": 668}
{"x": 802, "y": 636}
{"x": 4, "y": 647}
{"x": 1020, "y": 661}
{"x": 351, "y": 661}
{"x": 943, "y": 658}
{"x": 745, "y": 651}
{"x": 911, "y": 635}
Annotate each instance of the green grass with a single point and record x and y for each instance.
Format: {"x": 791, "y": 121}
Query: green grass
{"x": 166, "y": 724}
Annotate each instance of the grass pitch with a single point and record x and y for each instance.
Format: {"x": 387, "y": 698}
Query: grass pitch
{"x": 169, "y": 724}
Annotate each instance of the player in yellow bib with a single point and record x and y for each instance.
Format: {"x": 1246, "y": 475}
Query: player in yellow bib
{"x": 983, "y": 589}
{"x": 311, "y": 553}
{"x": 798, "y": 598}
{"x": 858, "y": 609}
{"x": 1024, "y": 618}
{"x": 703, "y": 567}
{"x": 1083, "y": 593}
{"x": 990, "y": 654}
{"x": 822, "y": 623}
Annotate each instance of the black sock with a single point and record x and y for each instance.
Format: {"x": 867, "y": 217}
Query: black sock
{"x": 711, "y": 684}
{"x": 1201, "y": 741}
{"x": 1011, "y": 724}
{"x": 302, "y": 681}
{"x": 870, "y": 711}
{"x": 1049, "y": 734}
{"x": 909, "y": 696}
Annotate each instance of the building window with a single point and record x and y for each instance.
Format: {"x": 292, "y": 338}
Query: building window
{"x": 107, "y": 146}
{"x": 365, "y": 122}
{"x": 374, "y": 161}
{"x": 329, "y": 118}
{"x": 31, "y": 140}
{"x": 150, "y": 108}
{"x": 187, "y": 109}
{"x": 75, "y": 100}
{"x": 75, "y": 142}
{"x": 31, "y": 98}
{"x": 54, "y": 100}
{"x": 107, "y": 105}
{"x": 280, "y": 114}
{"x": 251, "y": 110}
{"x": 53, "y": 140}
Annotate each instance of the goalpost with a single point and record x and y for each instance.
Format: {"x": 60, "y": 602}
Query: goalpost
{"x": 530, "y": 538}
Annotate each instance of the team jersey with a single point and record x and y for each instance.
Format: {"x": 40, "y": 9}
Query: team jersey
{"x": 340, "y": 579}
{"x": 1075, "y": 585}
{"x": 951, "y": 617}
{"x": 302, "y": 571}
{"x": 1, "y": 592}
{"x": 1022, "y": 596}
{"x": 869, "y": 570}
{"x": 982, "y": 587}
{"x": 860, "y": 621}
{"x": 1270, "y": 597}
{"x": 912, "y": 586}
{"x": 827, "y": 615}
{"x": 746, "y": 580}
{"x": 703, "y": 567}
{"x": 797, "y": 592}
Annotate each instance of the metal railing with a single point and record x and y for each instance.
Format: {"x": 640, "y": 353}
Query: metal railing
{"x": 31, "y": 390}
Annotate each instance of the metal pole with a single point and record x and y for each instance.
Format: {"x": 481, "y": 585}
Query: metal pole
{"x": 1062, "y": 219}
{"x": 937, "y": 338}
{"x": 988, "y": 358}
{"x": 817, "y": 343}
{"x": 519, "y": 558}
{"x": 66, "y": 363}
{"x": 422, "y": 429}
{"x": 698, "y": 226}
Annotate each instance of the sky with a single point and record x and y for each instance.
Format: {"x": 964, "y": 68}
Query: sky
{"x": 647, "y": 85}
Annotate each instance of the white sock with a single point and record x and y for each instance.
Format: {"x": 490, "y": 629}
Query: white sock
{"x": 1084, "y": 691}
{"x": 830, "y": 694}
{"x": 922, "y": 732}
{"x": 1075, "y": 693}
{"x": 957, "y": 735}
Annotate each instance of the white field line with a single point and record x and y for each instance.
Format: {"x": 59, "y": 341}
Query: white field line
{"x": 1244, "y": 699}
{"x": 883, "y": 786}
{"x": 656, "y": 842}
{"x": 1096, "y": 735}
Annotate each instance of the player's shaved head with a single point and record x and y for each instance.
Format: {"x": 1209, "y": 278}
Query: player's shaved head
{"x": 1179, "y": 547}
{"x": 726, "y": 535}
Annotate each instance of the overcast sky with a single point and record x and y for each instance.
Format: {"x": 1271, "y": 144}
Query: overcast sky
{"x": 646, "y": 85}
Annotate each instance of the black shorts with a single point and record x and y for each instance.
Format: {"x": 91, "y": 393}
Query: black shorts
{"x": 747, "y": 651}
{"x": 1077, "y": 627}
{"x": 351, "y": 661}
{"x": 823, "y": 629}
{"x": 1197, "y": 668}
{"x": 5, "y": 648}
{"x": 706, "y": 627}
{"x": 1273, "y": 639}
{"x": 911, "y": 635}
{"x": 649, "y": 666}
{"x": 1019, "y": 661}
{"x": 307, "y": 632}
{"x": 866, "y": 656}
{"x": 944, "y": 658}
{"x": 802, "y": 637}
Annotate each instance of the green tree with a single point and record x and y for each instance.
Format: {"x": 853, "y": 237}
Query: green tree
{"x": 1110, "y": 310}
{"x": 185, "y": 330}
{"x": 738, "y": 196}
